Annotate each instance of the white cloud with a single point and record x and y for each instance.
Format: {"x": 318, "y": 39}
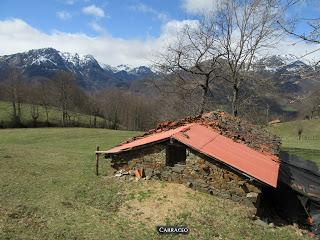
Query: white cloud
{"x": 96, "y": 27}
{"x": 93, "y": 10}
{"x": 17, "y": 36}
{"x": 97, "y": 13}
{"x": 170, "y": 29}
{"x": 70, "y": 2}
{"x": 199, "y": 6}
{"x": 297, "y": 47}
{"x": 143, "y": 8}
{"x": 64, "y": 15}
{"x": 163, "y": 17}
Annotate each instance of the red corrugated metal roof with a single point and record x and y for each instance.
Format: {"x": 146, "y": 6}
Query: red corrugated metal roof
{"x": 148, "y": 139}
{"x": 262, "y": 166}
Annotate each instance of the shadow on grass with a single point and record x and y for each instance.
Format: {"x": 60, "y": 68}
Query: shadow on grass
{"x": 309, "y": 154}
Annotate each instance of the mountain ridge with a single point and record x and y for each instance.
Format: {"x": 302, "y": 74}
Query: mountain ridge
{"x": 284, "y": 70}
{"x": 87, "y": 70}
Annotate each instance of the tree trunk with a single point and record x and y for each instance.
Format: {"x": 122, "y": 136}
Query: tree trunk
{"x": 19, "y": 109}
{"x": 115, "y": 120}
{"x": 34, "y": 113}
{"x": 235, "y": 100}
{"x": 267, "y": 113}
{"x": 14, "y": 110}
{"x": 63, "y": 117}
{"x": 205, "y": 95}
{"x": 95, "y": 119}
{"x": 15, "y": 116}
{"x": 47, "y": 114}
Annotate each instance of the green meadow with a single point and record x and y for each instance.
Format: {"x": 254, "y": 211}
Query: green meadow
{"x": 49, "y": 190}
{"x": 308, "y": 146}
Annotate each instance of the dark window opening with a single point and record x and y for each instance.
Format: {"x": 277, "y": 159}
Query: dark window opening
{"x": 175, "y": 155}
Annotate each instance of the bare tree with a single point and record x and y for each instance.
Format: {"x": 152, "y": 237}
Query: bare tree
{"x": 223, "y": 44}
{"x": 113, "y": 109}
{"x": 14, "y": 93}
{"x": 126, "y": 110}
{"x": 35, "y": 113}
{"x": 64, "y": 84}
{"x": 45, "y": 94}
{"x": 94, "y": 107}
{"x": 300, "y": 130}
{"x": 191, "y": 64}
{"x": 245, "y": 29}
{"x": 33, "y": 98}
{"x": 310, "y": 106}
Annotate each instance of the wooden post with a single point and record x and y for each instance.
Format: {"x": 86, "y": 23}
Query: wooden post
{"x": 97, "y": 161}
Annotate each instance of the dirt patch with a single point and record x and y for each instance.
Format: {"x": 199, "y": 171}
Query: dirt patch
{"x": 157, "y": 202}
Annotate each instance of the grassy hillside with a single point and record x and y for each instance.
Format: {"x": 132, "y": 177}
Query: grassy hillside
{"x": 49, "y": 191}
{"x": 55, "y": 116}
{"x": 309, "y": 144}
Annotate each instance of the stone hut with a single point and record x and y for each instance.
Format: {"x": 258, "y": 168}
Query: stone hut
{"x": 215, "y": 153}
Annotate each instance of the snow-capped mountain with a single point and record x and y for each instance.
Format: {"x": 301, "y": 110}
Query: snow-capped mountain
{"x": 89, "y": 73}
{"x": 289, "y": 73}
{"x": 282, "y": 63}
{"x": 129, "y": 72}
{"x": 123, "y": 67}
{"x": 286, "y": 71}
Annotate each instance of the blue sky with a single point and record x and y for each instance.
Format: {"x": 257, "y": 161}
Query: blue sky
{"x": 115, "y": 32}
{"x": 305, "y": 9}
{"x": 125, "y": 19}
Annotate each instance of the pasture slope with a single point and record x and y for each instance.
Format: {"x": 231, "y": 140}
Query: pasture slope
{"x": 54, "y": 116}
{"x": 48, "y": 190}
{"x": 308, "y": 146}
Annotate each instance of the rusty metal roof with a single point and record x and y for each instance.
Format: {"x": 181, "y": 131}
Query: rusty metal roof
{"x": 260, "y": 165}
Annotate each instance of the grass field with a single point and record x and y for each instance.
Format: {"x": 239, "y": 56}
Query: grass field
{"x": 308, "y": 146}
{"x": 55, "y": 116}
{"x": 48, "y": 190}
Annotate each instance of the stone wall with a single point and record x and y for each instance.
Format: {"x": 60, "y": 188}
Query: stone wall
{"x": 153, "y": 157}
{"x": 199, "y": 172}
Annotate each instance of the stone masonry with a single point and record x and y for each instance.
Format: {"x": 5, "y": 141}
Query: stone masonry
{"x": 199, "y": 172}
